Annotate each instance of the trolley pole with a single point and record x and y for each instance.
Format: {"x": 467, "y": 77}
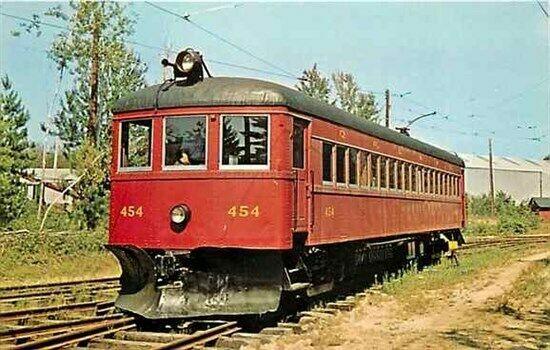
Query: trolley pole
{"x": 388, "y": 108}
{"x": 491, "y": 178}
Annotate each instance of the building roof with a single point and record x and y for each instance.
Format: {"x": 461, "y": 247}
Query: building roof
{"x": 505, "y": 163}
{"x": 228, "y": 91}
{"x": 52, "y": 175}
{"x": 540, "y": 202}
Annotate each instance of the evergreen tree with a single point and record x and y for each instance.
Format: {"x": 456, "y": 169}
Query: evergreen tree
{"x": 102, "y": 69}
{"x": 314, "y": 84}
{"x": 352, "y": 99}
{"x": 13, "y": 152}
{"x": 120, "y": 70}
{"x": 347, "y": 95}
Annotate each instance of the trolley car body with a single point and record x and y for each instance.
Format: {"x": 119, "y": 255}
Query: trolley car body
{"x": 282, "y": 194}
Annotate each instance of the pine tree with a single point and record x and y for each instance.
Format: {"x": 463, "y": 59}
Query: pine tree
{"x": 120, "y": 70}
{"x": 13, "y": 152}
{"x": 102, "y": 69}
{"x": 352, "y": 99}
{"x": 347, "y": 95}
{"x": 314, "y": 84}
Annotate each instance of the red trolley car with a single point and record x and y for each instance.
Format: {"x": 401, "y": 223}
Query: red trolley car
{"x": 230, "y": 193}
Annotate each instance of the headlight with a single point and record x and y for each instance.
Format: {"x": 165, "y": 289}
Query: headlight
{"x": 179, "y": 214}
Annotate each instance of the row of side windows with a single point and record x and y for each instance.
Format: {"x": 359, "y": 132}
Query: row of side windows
{"x": 356, "y": 168}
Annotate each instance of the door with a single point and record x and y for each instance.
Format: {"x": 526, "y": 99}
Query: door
{"x": 300, "y": 161}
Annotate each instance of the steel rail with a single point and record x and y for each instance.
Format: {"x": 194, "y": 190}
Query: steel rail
{"x": 79, "y": 335}
{"x": 201, "y": 337}
{"x": 59, "y": 284}
{"x": 41, "y": 311}
{"x": 15, "y": 335}
{"x": 47, "y": 293}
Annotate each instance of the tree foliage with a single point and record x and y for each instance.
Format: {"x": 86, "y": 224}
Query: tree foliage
{"x": 120, "y": 69}
{"x": 314, "y": 84}
{"x": 95, "y": 29}
{"x": 13, "y": 152}
{"x": 347, "y": 94}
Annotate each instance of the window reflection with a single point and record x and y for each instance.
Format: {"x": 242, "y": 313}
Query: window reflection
{"x": 135, "y": 144}
{"x": 185, "y": 141}
{"x": 245, "y": 140}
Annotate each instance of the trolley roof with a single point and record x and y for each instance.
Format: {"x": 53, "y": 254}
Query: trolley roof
{"x": 230, "y": 91}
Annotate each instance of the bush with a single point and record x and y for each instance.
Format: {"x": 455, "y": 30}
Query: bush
{"x": 511, "y": 217}
{"x": 59, "y": 219}
{"x": 35, "y": 248}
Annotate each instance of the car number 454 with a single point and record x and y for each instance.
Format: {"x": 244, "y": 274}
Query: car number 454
{"x": 244, "y": 211}
{"x": 129, "y": 211}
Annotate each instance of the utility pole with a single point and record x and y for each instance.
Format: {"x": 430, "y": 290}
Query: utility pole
{"x": 42, "y": 176}
{"x": 388, "y": 107}
{"x": 491, "y": 178}
{"x": 94, "y": 78}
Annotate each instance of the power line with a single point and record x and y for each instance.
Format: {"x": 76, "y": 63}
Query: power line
{"x": 219, "y": 37}
{"x": 542, "y": 9}
{"x": 152, "y": 47}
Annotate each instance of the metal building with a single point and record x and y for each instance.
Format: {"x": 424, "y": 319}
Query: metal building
{"x": 519, "y": 177}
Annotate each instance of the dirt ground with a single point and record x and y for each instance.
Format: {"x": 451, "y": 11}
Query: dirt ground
{"x": 502, "y": 307}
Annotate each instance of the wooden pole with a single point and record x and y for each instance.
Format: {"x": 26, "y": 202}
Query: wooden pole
{"x": 94, "y": 79}
{"x": 388, "y": 108}
{"x": 491, "y": 178}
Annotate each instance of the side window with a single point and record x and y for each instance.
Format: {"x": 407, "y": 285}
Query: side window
{"x": 352, "y": 169}
{"x": 340, "y": 164}
{"x": 363, "y": 168}
{"x": 327, "y": 162}
{"x": 414, "y": 185}
{"x": 298, "y": 130}
{"x": 184, "y": 141}
{"x": 383, "y": 172}
{"x": 245, "y": 140}
{"x": 375, "y": 171}
{"x": 135, "y": 144}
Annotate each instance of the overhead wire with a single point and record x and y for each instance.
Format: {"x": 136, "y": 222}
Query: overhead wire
{"x": 153, "y": 47}
{"x": 219, "y": 37}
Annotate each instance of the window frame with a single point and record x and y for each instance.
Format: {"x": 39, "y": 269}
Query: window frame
{"x": 335, "y": 152}
{"x": 305, "y": 123}
{"x": 325, "y": 182}
{"x": 182, "y": 166}
{"x": 244, "y": 166}
{"x": 122, "y": 169}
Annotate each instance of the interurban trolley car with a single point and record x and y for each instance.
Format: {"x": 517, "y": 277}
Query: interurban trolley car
{"x": 230, "y": 194}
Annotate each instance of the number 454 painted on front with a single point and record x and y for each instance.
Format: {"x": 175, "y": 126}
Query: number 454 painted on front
{"x": 244, "y": 211}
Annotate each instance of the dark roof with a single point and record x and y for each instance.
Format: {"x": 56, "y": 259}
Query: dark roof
{"x": 540, "y": 202}
{"x": 226, "y": 91}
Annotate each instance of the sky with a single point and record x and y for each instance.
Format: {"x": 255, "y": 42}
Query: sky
{"x": 483, "y": 67}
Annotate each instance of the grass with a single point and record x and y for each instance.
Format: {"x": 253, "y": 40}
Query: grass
{"x": 415, "y": 291}
{"x": 533, "y": 285}
{"x": 45, "y": 257}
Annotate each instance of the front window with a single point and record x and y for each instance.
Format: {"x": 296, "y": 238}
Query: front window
{"x": 135, "y": 144}
{"x": 245, "y": 141}
{"x": 185, "y": 142}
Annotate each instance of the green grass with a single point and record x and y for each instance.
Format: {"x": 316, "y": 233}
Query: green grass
{"x": 42, "y": 257}
{"x": 414, "y": 290}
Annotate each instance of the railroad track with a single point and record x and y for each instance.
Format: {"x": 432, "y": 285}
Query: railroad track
{"x": 505, "y": 242}
{"x": 106, "y": 329}
{"x": 61, "y": 290}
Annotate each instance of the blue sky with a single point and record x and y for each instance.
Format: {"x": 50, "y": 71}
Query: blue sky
{"x": 484, "y": 67}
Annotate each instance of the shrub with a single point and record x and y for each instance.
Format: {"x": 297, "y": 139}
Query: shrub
{"x": 511, "y": 217}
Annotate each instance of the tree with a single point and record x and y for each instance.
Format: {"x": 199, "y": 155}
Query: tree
{"x": 314, "y": 84}
{"x": 347, "y": 95}
{"x": 352, "y": 99}
{"x": 93, "y": 51}
{"x": 102, "y": 66}
{"x": 13, "y": 152}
